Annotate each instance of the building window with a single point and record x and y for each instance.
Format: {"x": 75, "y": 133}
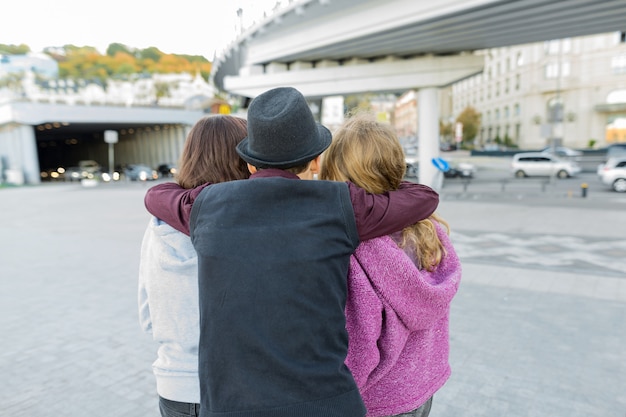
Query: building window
{"x": 497, "y": 89}
{"x": 565, "y": 69}
{"x": 554, "y": 110}
{"x": 517, "y": 82}
{"x": 516, "y": 109}
{"x": 506, "y": 86}
{"x": 556, "y": 47}
{"x": 551, "y": 47}
{"x": 520, "y": 59}
{"x": 617, "y": 96}
{"x": 618, "y": 64}
{"x": 551, "y": 70}
{"x": 497, "y": 114}
{"x": 506, "y": 112}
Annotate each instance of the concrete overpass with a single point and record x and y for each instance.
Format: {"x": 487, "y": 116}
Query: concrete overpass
{"x": 339, "y": 47}
{"x": 38, "y": 136}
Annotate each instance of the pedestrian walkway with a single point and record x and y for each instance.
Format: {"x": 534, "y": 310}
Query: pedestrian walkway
{"x": 536, "y": 328}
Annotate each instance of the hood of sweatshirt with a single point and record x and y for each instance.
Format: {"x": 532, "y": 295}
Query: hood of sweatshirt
{"x": 418, "y": 297}
{"x": 177, "y": 244}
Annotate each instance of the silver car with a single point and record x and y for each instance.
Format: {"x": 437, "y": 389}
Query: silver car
{"x": 528, "y": 164}
{"x": 613, "y": 173}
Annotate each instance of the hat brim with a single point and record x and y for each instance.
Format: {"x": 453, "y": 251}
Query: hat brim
{"x": 323, "y": 142}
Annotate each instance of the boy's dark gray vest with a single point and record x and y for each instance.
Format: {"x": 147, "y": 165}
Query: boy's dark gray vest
{"x": 273, "y": 256}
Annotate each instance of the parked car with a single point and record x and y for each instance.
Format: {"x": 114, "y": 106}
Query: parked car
{"x": 412, "y": 169}
{"x": 528, "y": 164}
{"x": 412, "y": 164}
{"x": 136, "y": 172}
{"x": 460, "y": 170}
{"x": 615, "y": 150}
{"x": 613, "y": 173}
{"x": 562, "y": 151}
{"x": 166, "y": 170}
{"x": 86, "y": 169}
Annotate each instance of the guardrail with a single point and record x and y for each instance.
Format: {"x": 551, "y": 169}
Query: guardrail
{"x": 507, "y": 185}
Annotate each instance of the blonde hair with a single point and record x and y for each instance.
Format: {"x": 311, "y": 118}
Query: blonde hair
{"x": 368, "y": 154}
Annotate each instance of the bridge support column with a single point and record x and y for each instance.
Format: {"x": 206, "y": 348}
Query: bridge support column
{"x": 428, "y": 134}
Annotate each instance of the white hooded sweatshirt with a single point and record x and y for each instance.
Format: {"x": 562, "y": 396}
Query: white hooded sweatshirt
{"x": 168, "y": 309}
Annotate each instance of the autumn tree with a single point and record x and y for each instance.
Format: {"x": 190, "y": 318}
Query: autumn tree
{"x": 470, "y": 119}
{"x": 120, "y": 61}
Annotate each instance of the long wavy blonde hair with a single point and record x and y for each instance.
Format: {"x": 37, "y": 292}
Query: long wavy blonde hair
{"x": 368, "y": 154}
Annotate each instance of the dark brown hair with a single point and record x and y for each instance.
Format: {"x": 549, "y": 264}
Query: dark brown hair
{"x": 209, "y": 153}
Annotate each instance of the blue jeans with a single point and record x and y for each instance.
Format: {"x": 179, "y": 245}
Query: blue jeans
{"x": 422, "y": 411}
{"x": 171, "y": 408}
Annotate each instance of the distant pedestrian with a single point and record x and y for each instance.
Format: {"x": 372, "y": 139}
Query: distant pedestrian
{"x": 399, "y": 286}
{"x": 168, "y": 270}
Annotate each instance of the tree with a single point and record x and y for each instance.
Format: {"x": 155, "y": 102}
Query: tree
{"x": 162, "y": 89}
{"x": 150, "y": 53}
{"x": 470, "y": 119}
{"x": 446, "y": 130}
{"x": 357, "y": 102}
{"x": 14, "y": 49}
{"x": 115, "y": 48}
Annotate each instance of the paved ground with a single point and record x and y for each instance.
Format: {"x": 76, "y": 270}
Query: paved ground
{"x": 537, "y": 326}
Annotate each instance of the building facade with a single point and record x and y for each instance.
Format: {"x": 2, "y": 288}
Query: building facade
{"x": 568, "y": 91}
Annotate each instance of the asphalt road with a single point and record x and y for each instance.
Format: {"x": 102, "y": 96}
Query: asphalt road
{"x": 537, "y": 327}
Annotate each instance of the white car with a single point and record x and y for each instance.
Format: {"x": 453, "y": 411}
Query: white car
{"x": 613, "y": 173}
{"x": 527, "y": 164}
{"x": 562, "y": 151}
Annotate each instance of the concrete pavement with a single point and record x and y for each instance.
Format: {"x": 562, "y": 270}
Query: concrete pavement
{"x": 537, "y": 328}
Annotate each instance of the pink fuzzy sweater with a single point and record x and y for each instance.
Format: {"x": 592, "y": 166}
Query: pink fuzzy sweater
{"x": 397, "y": 321}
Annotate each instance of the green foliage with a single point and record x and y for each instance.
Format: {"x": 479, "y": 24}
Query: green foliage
{"x": 162, "y": 90}
{"x": 114, "y": 48}
{"x": 14, "y": 49}
{"x": 194, "y": 58}
{"x": 508, "y": 141}
{"x": 357, "y": 103}
{"x": 446, "y": 130}
{"x": 470, "y": 119}
{"x": 150, "y": 53}
{"x": 591, "y": 143}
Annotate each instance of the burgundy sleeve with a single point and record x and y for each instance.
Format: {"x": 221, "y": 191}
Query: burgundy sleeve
{"x": 381, "y": 214}
{"x": 172, "y": 204}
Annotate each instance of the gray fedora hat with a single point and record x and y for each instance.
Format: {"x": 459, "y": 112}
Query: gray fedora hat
{"x": 282, "y": 132}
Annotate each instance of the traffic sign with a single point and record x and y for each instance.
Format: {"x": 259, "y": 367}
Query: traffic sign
{"x": 441, "y": 164}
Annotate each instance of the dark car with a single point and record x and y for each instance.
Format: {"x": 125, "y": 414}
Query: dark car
{"x": 166, "y": 170}
{"x": 136, "y": 172}
{"x": 460, "y": 170}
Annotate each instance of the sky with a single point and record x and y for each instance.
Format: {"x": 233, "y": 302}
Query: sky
{"x": 193, "y": 27}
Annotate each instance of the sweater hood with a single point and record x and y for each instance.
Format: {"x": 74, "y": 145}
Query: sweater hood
{"x": 177, "y": 246}
{"x": 418, "y": 297}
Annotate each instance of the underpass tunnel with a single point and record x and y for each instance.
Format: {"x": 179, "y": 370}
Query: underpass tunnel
{"x": 63, "y": 145}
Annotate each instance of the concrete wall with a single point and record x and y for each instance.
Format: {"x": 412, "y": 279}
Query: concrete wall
{"x": 18, "y": 152}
